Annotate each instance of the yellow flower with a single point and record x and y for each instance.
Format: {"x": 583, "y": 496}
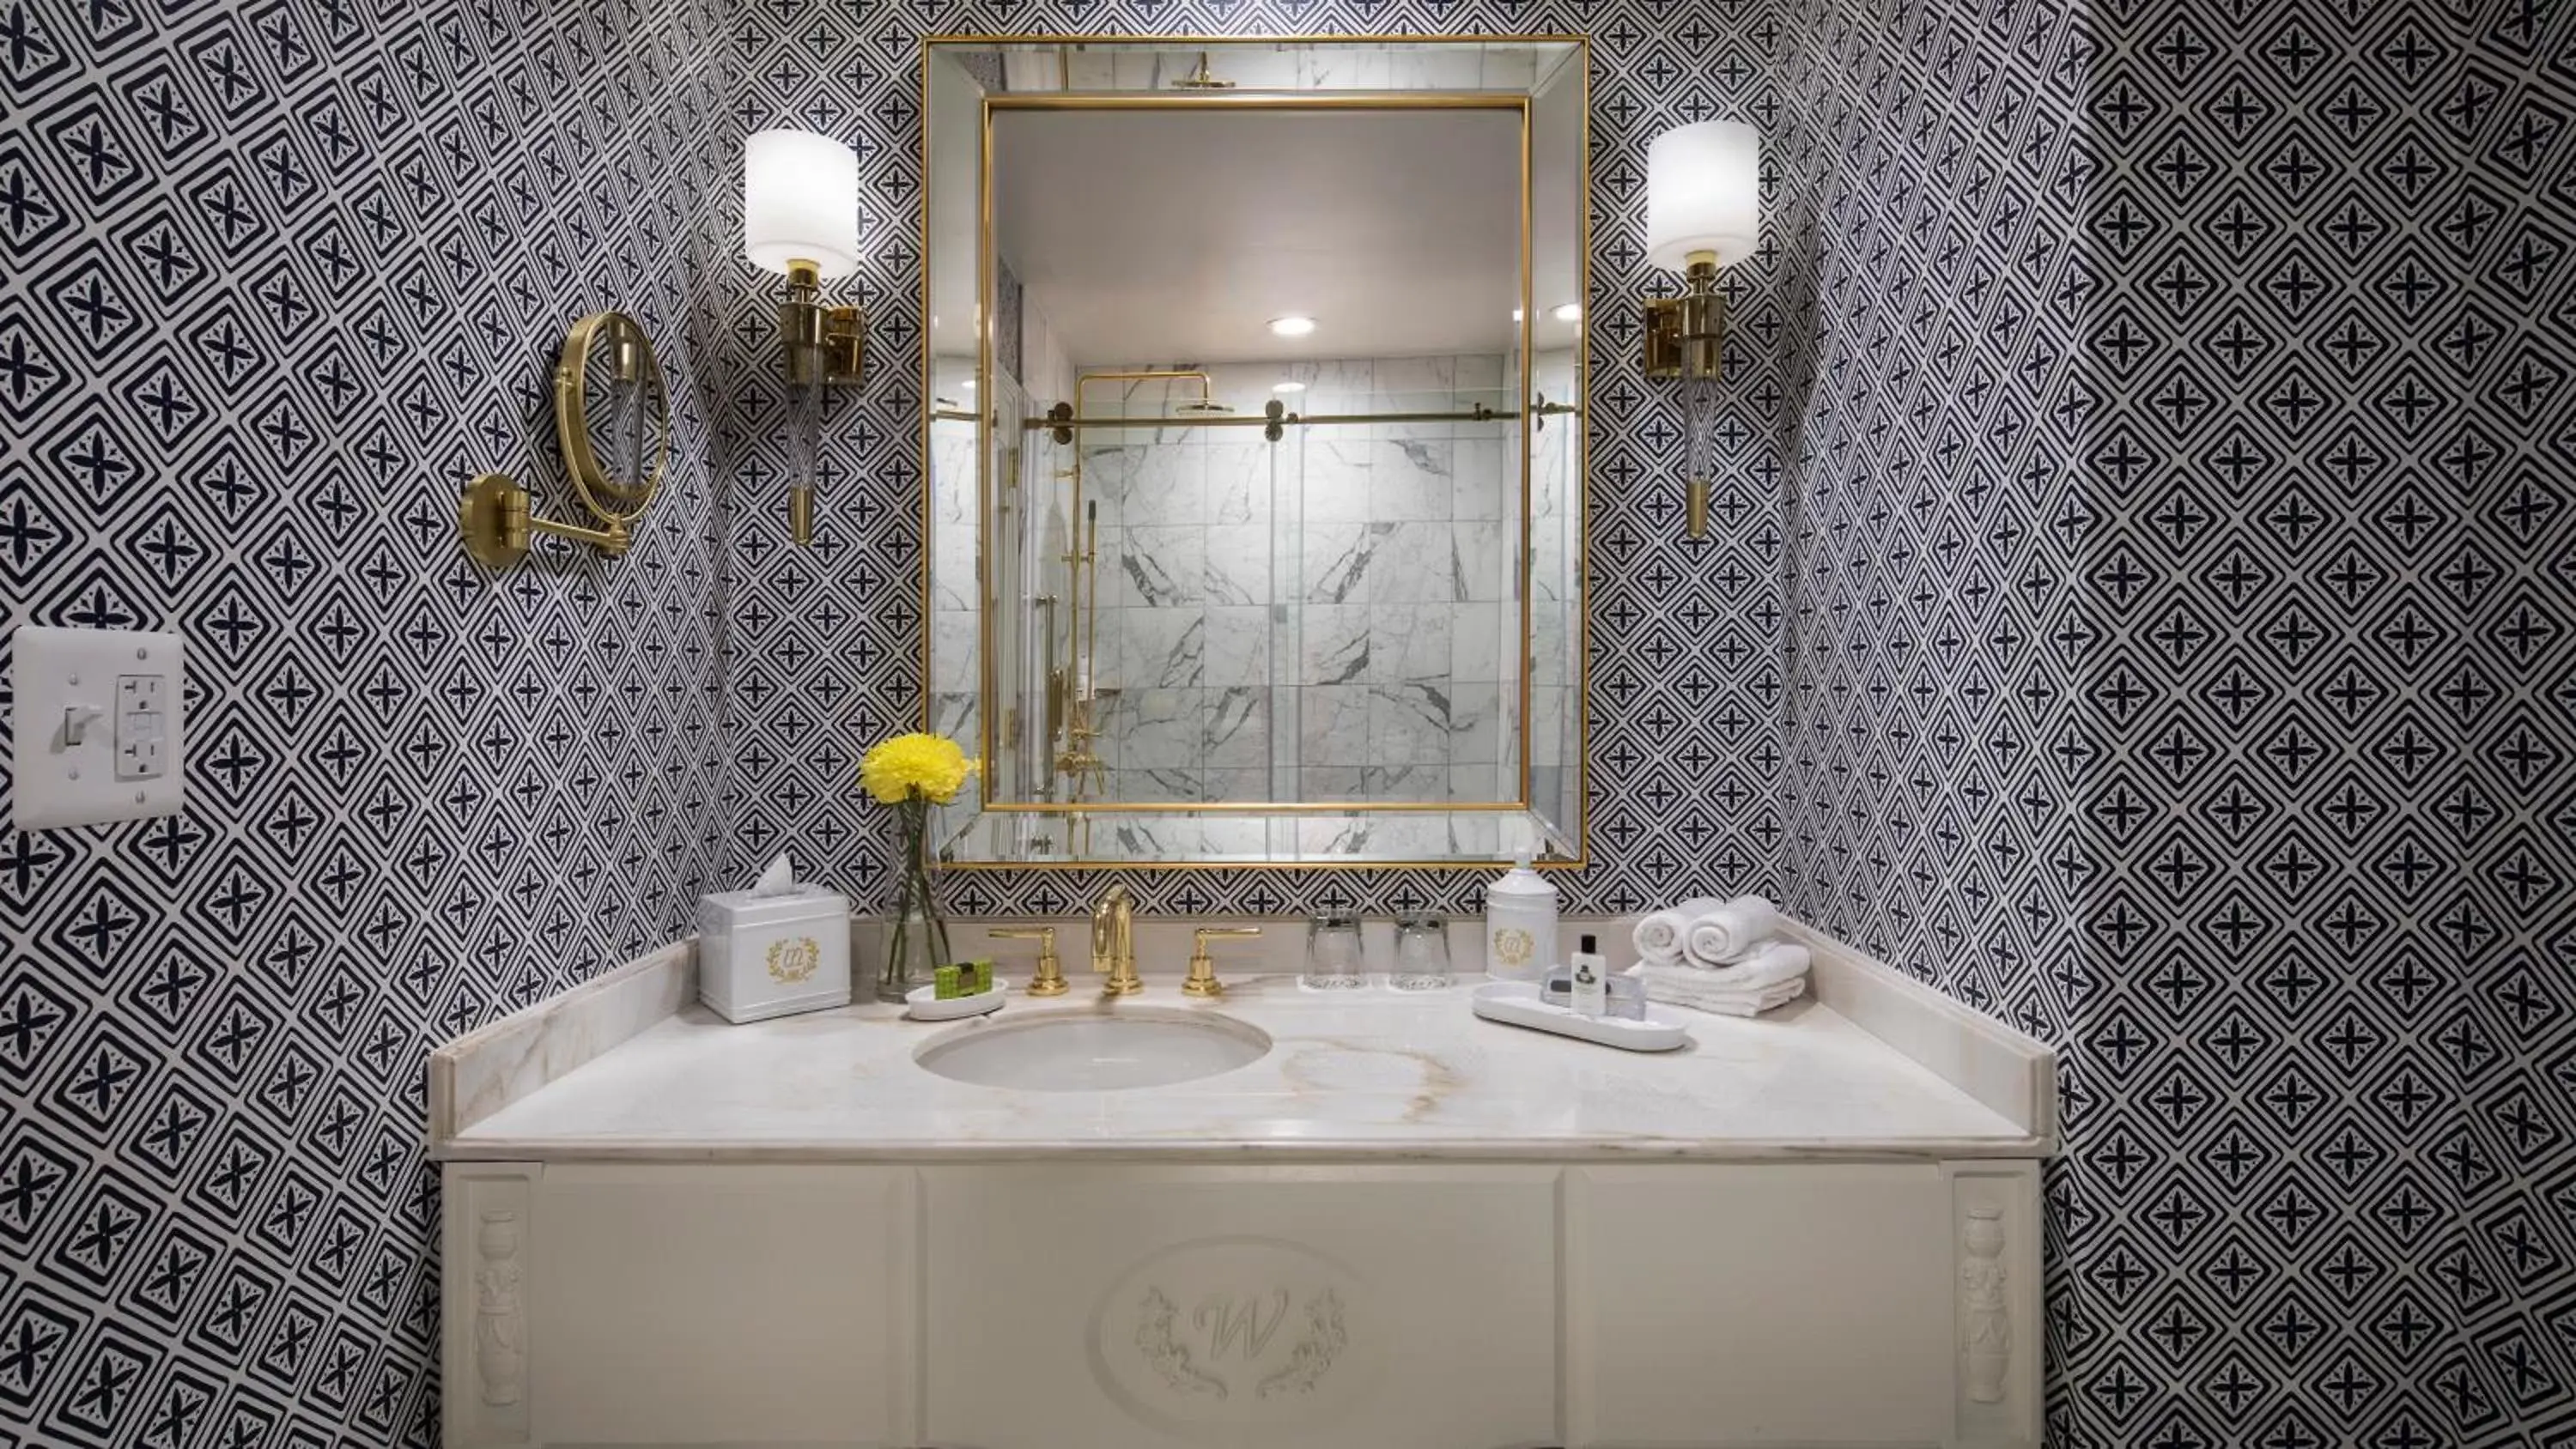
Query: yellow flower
{"x": 930, "y": 764}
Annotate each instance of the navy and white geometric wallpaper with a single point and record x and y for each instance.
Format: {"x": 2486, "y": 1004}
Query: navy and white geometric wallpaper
{"x": 2324, "y": 1188}
{"x": 278, "y": 280}
{"x": 2180, "y": 621}
{"x": 2140, "y": 605}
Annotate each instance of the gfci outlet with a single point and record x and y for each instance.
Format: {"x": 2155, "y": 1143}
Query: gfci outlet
{"x": 95, "y": 728}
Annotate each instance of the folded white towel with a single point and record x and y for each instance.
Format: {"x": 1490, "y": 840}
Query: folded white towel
{"x": 1766, "y": 964}
{"x": 1772, "y": 964}
{"x": 1732, "y": 1003}
{"x": 1725, "y": 935}
{"x": 1658, "y": 936}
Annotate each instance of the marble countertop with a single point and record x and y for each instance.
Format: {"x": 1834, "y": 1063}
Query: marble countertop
{"x": 1378, "y": 1074}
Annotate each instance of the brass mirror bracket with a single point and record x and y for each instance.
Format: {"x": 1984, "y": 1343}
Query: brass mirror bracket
{"x": 494, "y": 520}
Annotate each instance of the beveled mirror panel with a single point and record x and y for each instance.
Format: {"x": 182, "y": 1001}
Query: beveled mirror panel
{"x": 1254, "y": 447}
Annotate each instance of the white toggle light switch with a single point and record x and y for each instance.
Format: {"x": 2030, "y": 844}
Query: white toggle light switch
{"x": 96, "y": 726}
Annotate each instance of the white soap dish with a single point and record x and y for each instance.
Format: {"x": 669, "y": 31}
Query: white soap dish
{"x": 1517, "y": 1003}
{"x": 922, "y": 1003}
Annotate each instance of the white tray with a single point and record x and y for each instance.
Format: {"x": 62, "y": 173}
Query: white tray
{"x": 1517, "y": 1003}
{"x": 922, "y": 1003}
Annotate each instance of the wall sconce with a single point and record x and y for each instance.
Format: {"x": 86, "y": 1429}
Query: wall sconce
{"x": 1703, "y": 210}
{"x": 800, "y": 218}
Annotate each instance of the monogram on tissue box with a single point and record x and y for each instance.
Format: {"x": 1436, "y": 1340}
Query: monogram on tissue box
{"x": 761, "y": 956}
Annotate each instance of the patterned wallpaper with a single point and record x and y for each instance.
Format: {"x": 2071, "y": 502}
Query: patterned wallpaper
{"x": 1933, "y": 163}
{"x": 2177, "y": 599}
{"x": 2143, "y": 584}
{"x": 279, "y": 279}
{"x": 1684, "y": 753}
{"x": 2326, "y": 1174}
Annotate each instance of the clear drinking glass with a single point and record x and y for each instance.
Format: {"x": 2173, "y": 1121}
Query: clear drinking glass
{"x": 1421, "y": 953}
{"x": 1333, "y": 959}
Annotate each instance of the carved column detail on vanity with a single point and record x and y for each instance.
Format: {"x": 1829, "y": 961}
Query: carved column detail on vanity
{"x": 500, "y": 1324}
{"x": 1985, "y": 1318}
{"x": 1994, "y": 1281}
{"x": 486, "y": 1248}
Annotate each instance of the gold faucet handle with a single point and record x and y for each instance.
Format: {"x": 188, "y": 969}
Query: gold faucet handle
{"x": 1050, "y": 978}
{"x": 1202, "y": 980}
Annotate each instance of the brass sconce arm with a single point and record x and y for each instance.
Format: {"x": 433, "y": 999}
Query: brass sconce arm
{"x": 1685, "y": 339}
{"x": 819, "y": 347}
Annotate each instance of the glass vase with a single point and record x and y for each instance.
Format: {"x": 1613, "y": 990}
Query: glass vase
{"x": 918, "y": 946}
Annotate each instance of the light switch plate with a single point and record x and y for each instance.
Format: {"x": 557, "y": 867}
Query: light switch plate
{"x": 95, "y": 726}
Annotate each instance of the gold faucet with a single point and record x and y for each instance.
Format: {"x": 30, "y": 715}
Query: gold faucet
{"x": 1113, "y": 942}
{"x": 1050, "y": 978}
{"x": 1202, "y": 982}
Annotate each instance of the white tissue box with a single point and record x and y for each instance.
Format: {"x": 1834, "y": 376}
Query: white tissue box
{"x": 775, "y": 955}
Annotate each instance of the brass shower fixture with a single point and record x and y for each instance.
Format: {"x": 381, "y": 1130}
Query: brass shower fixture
{"x": 1202, "y": 79}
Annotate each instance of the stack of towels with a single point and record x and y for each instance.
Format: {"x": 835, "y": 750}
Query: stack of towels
{"x": 1721, "y": 956}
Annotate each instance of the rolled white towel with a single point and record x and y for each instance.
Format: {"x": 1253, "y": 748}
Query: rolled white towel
{"x": 1658, "y": 936}
{"x": 1725, "y": 935}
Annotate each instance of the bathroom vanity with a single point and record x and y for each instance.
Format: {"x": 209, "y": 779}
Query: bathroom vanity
{"x": 1364, "y": 1219}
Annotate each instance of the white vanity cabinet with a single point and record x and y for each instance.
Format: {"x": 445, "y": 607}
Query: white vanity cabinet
{"x": 1136, "y": 1306}
{"x": 1399, "y": 1227}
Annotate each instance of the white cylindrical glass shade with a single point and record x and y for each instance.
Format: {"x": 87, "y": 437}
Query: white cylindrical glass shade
{"x": 1703, "y": 193}
{"x": 800, "y": 198}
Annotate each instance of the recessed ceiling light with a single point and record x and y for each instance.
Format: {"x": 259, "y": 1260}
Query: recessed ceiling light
{"x": 1570, "y": 312}
{"x": 1287, "y": 387}
{"x": 1291, "y": 326}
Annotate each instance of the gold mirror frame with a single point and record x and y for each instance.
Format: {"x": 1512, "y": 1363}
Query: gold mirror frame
{"x": 1204, "y": 95}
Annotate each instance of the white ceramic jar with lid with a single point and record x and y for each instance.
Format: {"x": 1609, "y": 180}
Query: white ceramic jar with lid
{"x": 1520, "y": 924}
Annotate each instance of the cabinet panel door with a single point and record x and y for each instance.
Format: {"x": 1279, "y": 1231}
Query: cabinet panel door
{"x": 1757, "y": 1304}
{"x": 1125, "y": 1307}
{"x": 734, "y": 1304}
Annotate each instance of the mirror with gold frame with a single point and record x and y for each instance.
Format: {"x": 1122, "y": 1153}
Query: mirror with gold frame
{"x": 1253, "y": 439}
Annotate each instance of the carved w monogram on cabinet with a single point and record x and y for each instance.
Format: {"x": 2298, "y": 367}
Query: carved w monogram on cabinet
{"x": 1228, "y": 1331}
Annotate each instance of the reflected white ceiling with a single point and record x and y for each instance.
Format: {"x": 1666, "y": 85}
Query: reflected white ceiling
{"x": 1170, "y": 236}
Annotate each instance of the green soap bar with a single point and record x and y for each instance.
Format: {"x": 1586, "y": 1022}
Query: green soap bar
{"x": 947, "y": 985}
{"x": 978, "y": 975}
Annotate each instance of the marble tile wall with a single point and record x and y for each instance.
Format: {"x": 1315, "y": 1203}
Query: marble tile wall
{"x": 1327, "y": 617}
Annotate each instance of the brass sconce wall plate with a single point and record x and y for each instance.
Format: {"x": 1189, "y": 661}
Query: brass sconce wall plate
{"x": 822, "y": 345}
{"x": 610, "y": 402}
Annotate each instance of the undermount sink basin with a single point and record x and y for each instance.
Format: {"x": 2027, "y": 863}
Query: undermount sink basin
{"x": 1130, "y": 1047}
